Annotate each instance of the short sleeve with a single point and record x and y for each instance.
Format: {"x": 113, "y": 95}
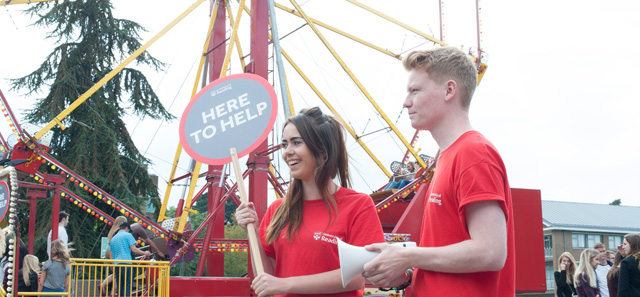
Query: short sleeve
{"x": 264, "y": 225}
{"x": 46, "y": 265}
{"x": 130, "y": 240}
{"x": 482, "y": 182}
{"x": 67, "y": 270}
{"x": 366, "y": 227}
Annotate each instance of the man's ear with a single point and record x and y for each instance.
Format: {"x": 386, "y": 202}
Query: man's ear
{"x": 450, "y": 89}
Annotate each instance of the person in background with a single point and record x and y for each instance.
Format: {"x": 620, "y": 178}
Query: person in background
{"x": 122, "y": 245}
{"x": 56, "y": 271}
{"x": 613, "y": 275}
{"x": 28, "y": 276}
{"x": 300, "y": 232}
{"x": 564, "y": 275}
{"x": 404, "y": 179}
{"x": 63, "y": 221}
{"x": 611, "y": 257}
{"x": 629, "y": 278}
{"x": 585, "y": 278}
{"x": 138, "y": 232}
{"x": 115, "y": 227}
{"x": 602, "y": 269}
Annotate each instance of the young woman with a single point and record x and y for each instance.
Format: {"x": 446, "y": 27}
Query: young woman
{"x": 629, "y": 279}
{"x": 585, "y": 277}
{"x": 28, "y": 277}
{"x": 564, "y": 275}
{"x": 56, "y": 271}
{"x": 299, "y": 233}
{"x": 108, "y": 255}
{"x": 613, "y": 275}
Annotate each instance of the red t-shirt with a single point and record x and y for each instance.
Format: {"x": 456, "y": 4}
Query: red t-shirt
{"x": 470, "y": 170}
{"x": 314, "y": 249}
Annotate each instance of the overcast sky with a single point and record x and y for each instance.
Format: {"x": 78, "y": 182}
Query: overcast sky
{"x": 557, "y": 100}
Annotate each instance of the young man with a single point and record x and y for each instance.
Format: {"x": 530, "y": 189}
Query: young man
{"x": 122, "y": 245}
{"x": 63, "y": 221}
{"x": 467, "y": 242}
{"x": 602, "y": 269}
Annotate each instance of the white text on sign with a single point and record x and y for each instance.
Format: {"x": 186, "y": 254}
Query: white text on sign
{"x": 228, "y": 115}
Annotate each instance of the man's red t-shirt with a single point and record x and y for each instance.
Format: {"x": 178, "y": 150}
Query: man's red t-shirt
{"x": 470, "y": 170}
{"x": 314, "y": 249}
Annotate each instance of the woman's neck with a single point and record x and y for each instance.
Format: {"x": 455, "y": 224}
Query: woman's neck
{"x": 310, "y": 190}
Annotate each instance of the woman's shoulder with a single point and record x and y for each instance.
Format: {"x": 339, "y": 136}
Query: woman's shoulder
{"x": 631, "y": 260}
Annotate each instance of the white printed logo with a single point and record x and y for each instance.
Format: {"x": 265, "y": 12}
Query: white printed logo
{"x": 435, "y": 198}
{"x": 326, "y": 237}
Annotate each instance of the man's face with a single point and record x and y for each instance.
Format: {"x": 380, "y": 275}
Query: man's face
{"x": 425, "y": 100}
{"x": 603, "y": 255}
{"x": 66, "y": 221}
{"x": 612, "y": 257}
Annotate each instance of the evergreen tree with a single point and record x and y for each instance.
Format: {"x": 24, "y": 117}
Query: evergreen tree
{"x": 616, "y": 202}
{"x": 90, "y": 42}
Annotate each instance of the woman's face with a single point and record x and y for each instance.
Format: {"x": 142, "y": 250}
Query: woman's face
{"x": 297, "y": 155}
{"x": 566, "y": 262}
{"x": 626, "y": 247}
{"x": 594, "y": 261}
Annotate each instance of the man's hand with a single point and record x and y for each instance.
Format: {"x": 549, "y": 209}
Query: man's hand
{"x": 388, "y": 268}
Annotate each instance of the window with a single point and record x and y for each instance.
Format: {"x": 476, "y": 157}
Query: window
{"x": 582, "y": 241}
{"x": 551, "y": 282}
{"x": 614, "y": 242}
{"x": 548, "y": 252}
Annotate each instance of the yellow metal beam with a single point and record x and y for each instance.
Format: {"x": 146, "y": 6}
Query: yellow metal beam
{"x": 360, "y": 86}
{"x": 324, "y": 25}
{"x": 8, "y": 2}
{"x": 388, "y": 18}
{"x": 162, "y": 216}
{"x": 353, "y": 133}
{"x": 106, "y": 78}
{"x": 240, "y": 54}
{"x": 196, "y": 172}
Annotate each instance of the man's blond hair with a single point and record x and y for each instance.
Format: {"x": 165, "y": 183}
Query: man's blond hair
{"x": 443, "y": 64}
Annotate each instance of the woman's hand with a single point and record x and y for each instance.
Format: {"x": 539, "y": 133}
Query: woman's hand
{"x": 563, "y": 267}
{"x": 246, "y": 214}
{"x": 269, "y": 285}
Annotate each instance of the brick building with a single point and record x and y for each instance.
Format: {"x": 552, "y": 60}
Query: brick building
{"x": 572, "y": 227}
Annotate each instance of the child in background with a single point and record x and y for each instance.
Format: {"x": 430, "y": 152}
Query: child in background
{"x": 28, "y": 276}
{"x": 56, "y": 271}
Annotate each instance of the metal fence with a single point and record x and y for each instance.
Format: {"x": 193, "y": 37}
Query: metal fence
{"x": 124, "y": 278}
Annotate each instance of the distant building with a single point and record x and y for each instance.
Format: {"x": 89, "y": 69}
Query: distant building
{"x": 572, "y": 227}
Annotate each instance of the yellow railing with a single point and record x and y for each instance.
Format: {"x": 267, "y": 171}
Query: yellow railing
{"x": 139, "y": 278}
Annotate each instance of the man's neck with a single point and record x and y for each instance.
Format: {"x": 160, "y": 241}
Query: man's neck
{"x": 449, "y": 131}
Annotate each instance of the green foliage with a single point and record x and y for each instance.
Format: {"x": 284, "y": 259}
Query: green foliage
{"x": 96, "y": 143}
{"x": 616, "y": 202}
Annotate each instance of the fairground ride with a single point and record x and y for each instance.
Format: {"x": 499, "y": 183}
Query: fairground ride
{"x": 400, "y": 211}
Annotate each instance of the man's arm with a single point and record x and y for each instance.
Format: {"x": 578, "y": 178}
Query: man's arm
{"x": 486, "y": 250}
{"x": 136, "y": 251}
{"x": 153, "y": 246}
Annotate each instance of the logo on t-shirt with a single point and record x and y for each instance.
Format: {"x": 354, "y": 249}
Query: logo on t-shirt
{"x": 326, "y": 237}
{"x": 435, "y": 198}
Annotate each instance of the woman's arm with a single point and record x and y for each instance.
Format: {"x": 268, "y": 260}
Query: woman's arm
{"x": 41, "y": 282}
{"x": 561, "y": 279}
{"x": 66, "y": 282}
{"x": 329, "y": 282}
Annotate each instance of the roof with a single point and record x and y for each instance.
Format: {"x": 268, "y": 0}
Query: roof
{"x": 560, "y": 215}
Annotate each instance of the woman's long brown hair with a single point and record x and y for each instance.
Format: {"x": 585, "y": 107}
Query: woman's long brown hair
{"x": 324, "y": 137}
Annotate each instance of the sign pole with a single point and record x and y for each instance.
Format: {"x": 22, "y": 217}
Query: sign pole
{"x": 254, "y": 244}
